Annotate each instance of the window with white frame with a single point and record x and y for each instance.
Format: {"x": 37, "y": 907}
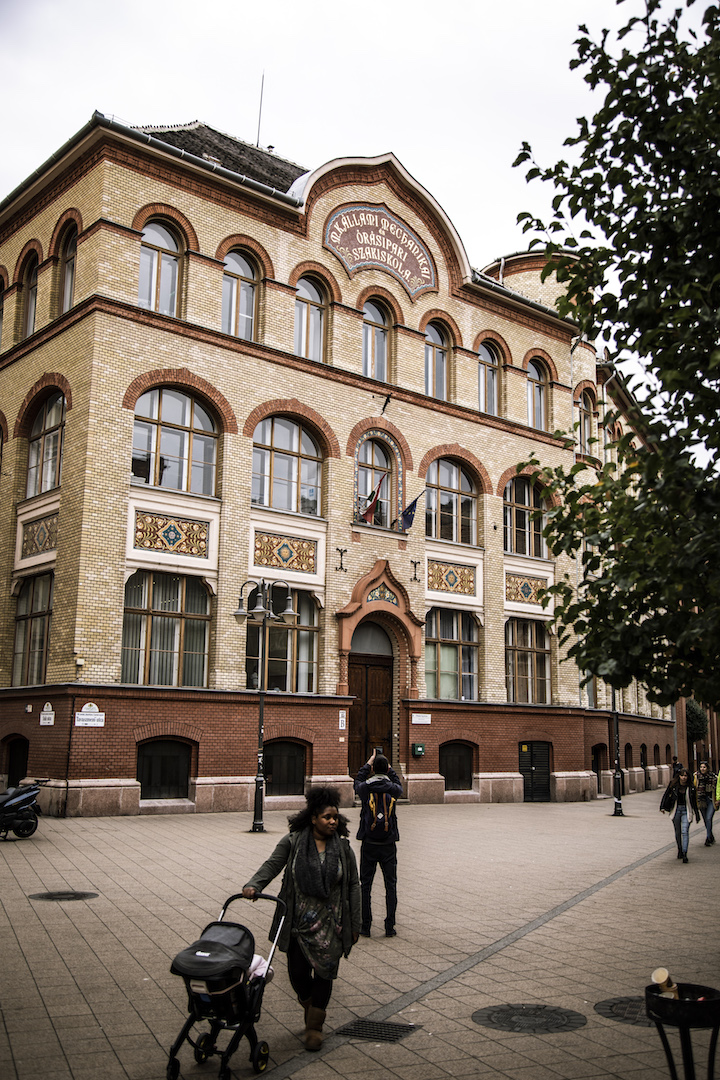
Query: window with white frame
{"x": 68, "y": 257}
{"x": 537, "y": 395}
{"x": 523, "y": 525}
{"x": 374, "y": 342}
{"x": 45, "y": 446}
{"x": 375, "y": 474}
{"x": 287, "y": 467}
{"x": 450, "y": 503}
{"x": 451, "y": 655}
{"x": 488, "y": 378}
{"x": 174, "y": 442}
{"x": 309, "y": 320}
{"x": 159, "y": 269}
{"x": 436, "y": 351}
{"x": 239, "y": 297}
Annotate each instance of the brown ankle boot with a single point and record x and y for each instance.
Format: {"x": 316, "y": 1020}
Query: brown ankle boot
{"x": 313, "y": 1028}
{"x": 306, "y": 1005}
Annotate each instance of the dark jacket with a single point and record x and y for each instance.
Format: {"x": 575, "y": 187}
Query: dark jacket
{"x": 365, "y": 784}
{"x": 669, "y": 799}
{"x": 282, "y": 857}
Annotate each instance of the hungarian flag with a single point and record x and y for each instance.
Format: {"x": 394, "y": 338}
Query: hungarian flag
{"x": 408, "y": 514}
{"x": 369, "y": 511}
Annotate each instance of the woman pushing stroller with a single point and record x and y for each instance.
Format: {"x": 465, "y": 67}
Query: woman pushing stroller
{"x": 322, "y": 891}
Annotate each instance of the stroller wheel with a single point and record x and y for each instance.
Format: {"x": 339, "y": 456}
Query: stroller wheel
{"x": 259, "y": 1057}
{"x": 204, "y": 1047}
{"x": 173, "y": 1069}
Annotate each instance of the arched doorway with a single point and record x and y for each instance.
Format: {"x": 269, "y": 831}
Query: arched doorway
{"x": 16, "y": 750}
{"x": 370, "y": 678}
{"x": 163, "y": 769}
{"x": 456, "y": 765}
{"x": 284, "y": 768}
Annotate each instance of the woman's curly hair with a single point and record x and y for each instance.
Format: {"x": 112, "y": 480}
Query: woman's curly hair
{"x": 317, "y": 798}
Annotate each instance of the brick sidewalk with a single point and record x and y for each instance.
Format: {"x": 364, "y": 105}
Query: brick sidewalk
{"x": 555, "y": 904}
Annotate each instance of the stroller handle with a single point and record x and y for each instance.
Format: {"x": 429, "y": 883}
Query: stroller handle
{"x": 258, "y": 896}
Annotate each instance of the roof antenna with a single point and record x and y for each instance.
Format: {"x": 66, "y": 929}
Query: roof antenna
{"x": 262, "y": 87}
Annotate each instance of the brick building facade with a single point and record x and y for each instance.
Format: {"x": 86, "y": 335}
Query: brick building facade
{"x": 216, "y": 369}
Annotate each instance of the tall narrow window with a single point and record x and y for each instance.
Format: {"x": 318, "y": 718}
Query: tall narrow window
{"x": 522, "y": 529}
{"x": 451, "y": 655}
{"x": 67, "y": 277}
{"x": 287, "y": 467}
{"x": 309, "y": 320}
{"x": 488, "y": 379}
{"x": 435, "y": 363}
{"x": 585, "y": 410}
{"x": 238, "y": 297}
{"x": 45, "y": 447}
{"x": 159, "y": 266}
{"x": 174, "y": 442}
{"x": 2, "y": 309}
{"x": 374, "y": 472}
{"x": 30, "y": 282}
{"x": 536, "y": 396}
{"x": 527, "y": 661}
{"x": 374, "y": 347}
{"x": 450, "y": 503}
{"x": 32, "y": 630}
{"x": 165, "y": 630}
{"x": 290, "y": 653}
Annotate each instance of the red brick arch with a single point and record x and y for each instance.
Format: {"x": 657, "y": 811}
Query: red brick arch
{"x": 384, "y": 425}
{"x": 185, "y": 379}
{"x": 317, "y": 270}
{"x": 3, "y": 427}
{"x": 458, "y": 453}
{"x": 438, "y": 316}
{"x": 4, "y": 277}
{"x": 42, "y": 389}
{"x": 248, "y": 243}
{"x": 545, "y": 358}
{"x": 71, "y": 215}
{"x": 511, "y": 473}
{"x": 289, "y": 729}
{"x": 589, "y": 385}
{"x": 295, "y": 408}
{"x": 159, "y": 729}
{"x": 31, "y": 246}
{"x": 492, "y": 337}
{"x": 163, "y": 210}
{"x": 386, "y": 299}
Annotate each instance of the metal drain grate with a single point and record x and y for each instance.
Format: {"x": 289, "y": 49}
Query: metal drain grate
{"x": 529, "y": 1019}
{"x": 378, "y": 1032}
{"x": 627, "y": 1010}
{"x": 63, "y": 895}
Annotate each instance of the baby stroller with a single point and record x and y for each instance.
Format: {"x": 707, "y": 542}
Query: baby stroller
{"x": 225, "y": 984}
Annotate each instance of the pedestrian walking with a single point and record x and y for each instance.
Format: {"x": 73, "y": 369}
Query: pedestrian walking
{"x": 680, "y": 794}
{"x": 321, "y": 889}
{"x": 705, "y": 783}
{"x": 379, "y": 788}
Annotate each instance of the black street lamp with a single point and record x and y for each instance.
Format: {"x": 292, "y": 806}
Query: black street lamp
{"x": 617, "y": 778}
{"x": 263, "y": 613}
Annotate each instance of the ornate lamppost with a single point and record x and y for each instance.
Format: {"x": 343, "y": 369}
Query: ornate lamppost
{"x": 262, "y": 613}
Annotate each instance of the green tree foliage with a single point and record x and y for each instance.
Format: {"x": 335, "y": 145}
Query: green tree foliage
{"x": 643, "y": 195}
{"x": 696, "y": 720}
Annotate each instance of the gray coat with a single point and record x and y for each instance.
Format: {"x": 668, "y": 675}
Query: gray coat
{"x": 282, "y": 857}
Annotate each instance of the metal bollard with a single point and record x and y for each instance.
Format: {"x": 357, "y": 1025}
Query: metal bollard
{"x": 695, "y": 1007}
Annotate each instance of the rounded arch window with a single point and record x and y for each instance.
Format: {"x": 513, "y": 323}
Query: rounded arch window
{"x": 2, "y": 308}
{"x": 30, "y": 282}
{"x": 585, "y": 409}
{"x": 67, "y": 276}
{"x": 374, "y": 483}
{"x": 174, "y": 442}
{"x": 374, "y": 342}
{"x": 450, "y": 503}
{"x": 159, "y": 269}
{"x": 309, "y": 320}
{"x": 435, "y": 362}
{"x": 287, "y": 466}
{"x": 239, "y": 296}
{"x": 45, "y": 446}
{"x": 488, "y": 378}
{"x": 536, "y": 395}
{"x": 522, "y": 519}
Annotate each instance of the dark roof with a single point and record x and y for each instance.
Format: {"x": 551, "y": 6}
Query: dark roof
{"x": 240, "y": 157}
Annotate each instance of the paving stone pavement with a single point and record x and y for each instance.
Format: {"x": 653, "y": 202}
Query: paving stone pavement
{"x": 562, "y": 905}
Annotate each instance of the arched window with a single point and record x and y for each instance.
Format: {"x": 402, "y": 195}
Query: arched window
{"x": 165, "y": 630}
{"x": 287, "y": 466}
{"x": 174, "y": 442}
{"x": 67, "y": 269}
{"x": 45, "y": 446}
{"x": 537, "y": 395}
{"x": 527, "y": 661}
{"x": 30, "y": 284}
{"x": 522, "y": 533}
{"x": 238, "y": 297}
{"x": 159, "y": 269}
{"x": 450, "y": 503}
{"x": 585, "y": 410}
{"x": 656, "y": 754}
{"x": 309, "y": 320}
{"x": 374, "y": 476}
{"x": 290, "y": 652}
{"x": 32, "y": 630}
{"x": 2, "y": 309}
{"x": 435, "y": 363}
{"x": 488, "y": 378}
{"x": 374, "y": 342}
{"x": 628, "y": 755}
{"x": 451, "y": 655}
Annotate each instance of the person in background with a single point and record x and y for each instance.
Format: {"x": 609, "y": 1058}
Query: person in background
{"x": 378, "y": 786}
{"x": 680, "y": 794}
{"x": 321, "y": 889}
{"x": 705, "y": 783}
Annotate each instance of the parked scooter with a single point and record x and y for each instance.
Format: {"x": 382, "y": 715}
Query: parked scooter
{"x": 19, "y": 811}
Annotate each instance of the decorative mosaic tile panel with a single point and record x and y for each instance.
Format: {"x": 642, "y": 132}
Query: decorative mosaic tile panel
{"x": 523, "y": 589}
{"x": 179, "y": 536}
{"x": 452, "y": 578}
{"x": 39, "y": 536}
{"x": 383, "y": 593}
{"x": 286, "y": 552}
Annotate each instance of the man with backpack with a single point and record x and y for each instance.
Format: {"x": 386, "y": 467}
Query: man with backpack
{"x": 379, "y": 788}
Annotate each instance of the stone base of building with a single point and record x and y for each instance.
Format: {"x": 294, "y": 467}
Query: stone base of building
{"x": 425, "y": 788}
{"x": 498, "y": 787}
{"x": 573, "y": 786}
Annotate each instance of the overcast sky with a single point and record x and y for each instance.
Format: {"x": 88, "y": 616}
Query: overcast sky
{"x": 452, "y": 88}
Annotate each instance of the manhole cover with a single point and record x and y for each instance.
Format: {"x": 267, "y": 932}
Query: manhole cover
{"x": 627, "y": 1010}
{"x": 378, "y": 1032}
{"x": 63, "y": 895}
{"x": 533, "y": 1019}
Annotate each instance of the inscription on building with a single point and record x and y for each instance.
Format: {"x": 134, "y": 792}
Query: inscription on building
{"x": 367, "y": 237}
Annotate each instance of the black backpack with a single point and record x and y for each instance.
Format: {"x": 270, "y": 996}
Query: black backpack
{"x": 379, "y": 812}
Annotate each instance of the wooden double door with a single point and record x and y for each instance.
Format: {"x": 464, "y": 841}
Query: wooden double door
{"x": 370, "y": 721}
